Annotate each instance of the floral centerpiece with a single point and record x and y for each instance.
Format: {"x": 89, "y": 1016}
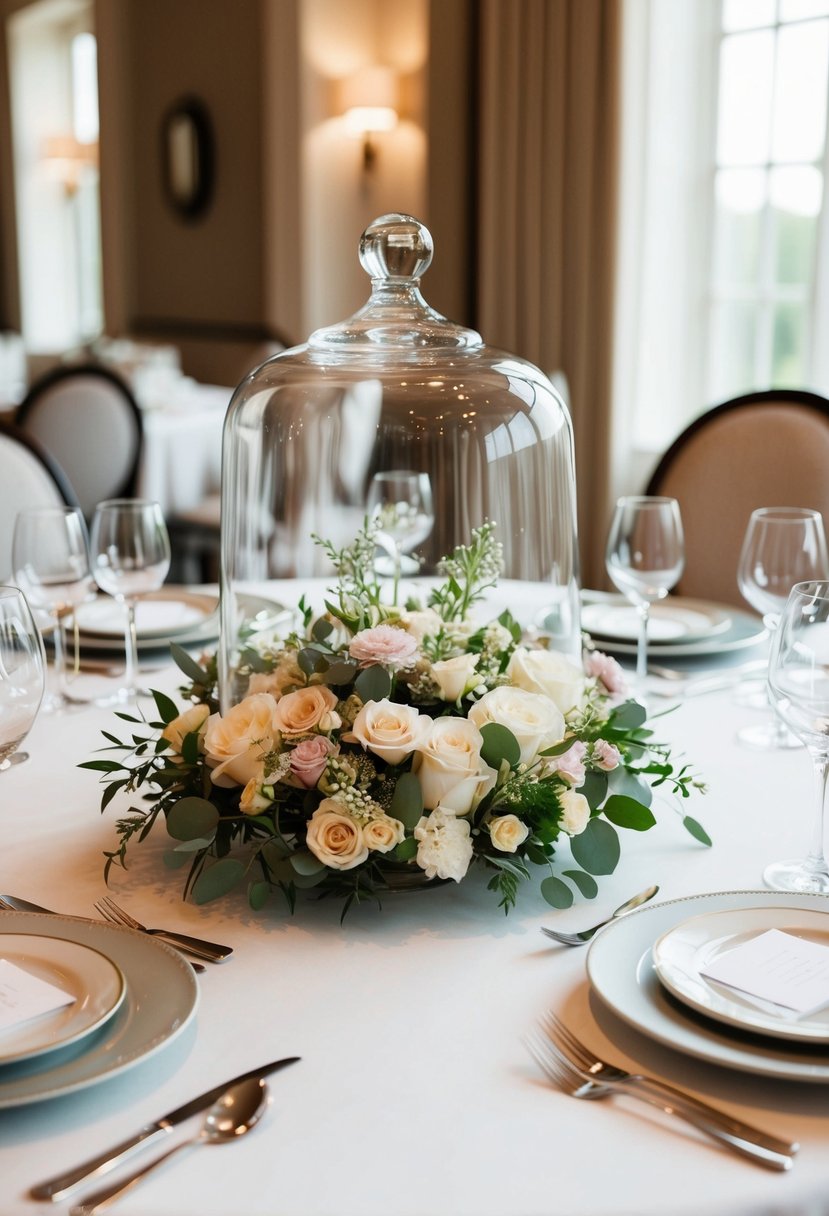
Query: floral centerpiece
{"x": 379, "y": 745}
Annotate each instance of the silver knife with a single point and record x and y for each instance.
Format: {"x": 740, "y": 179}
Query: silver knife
{"x": 63, "y": 1184}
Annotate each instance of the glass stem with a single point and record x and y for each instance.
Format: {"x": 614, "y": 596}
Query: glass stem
{"x": 60, "y": 655}
{"x": 642, "y": 649}
{"x": 817, "y": 852}
{"x": 397, "y": 560}
{"x": 131, "y": 639}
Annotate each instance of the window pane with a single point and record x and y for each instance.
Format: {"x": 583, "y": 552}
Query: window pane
{"x": 794, "y": 10}
{"x": 788, "y": 362}
{"x": 747, "y": 14}
{"x": 740, "y": 197}
{"x": 744, "y": 118}
{"x": 800, "y": 93}
{"x": 733, "y": 335}
{"x": 795, "y": 198}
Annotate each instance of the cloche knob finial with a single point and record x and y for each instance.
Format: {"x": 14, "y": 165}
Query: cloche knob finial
{"x": 396, "y": 247}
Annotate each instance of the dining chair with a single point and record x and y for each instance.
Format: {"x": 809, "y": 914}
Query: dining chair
{"x": 28, "y": 478}
{"x": 87, "y": 419}
{"x": 762, "y": 449}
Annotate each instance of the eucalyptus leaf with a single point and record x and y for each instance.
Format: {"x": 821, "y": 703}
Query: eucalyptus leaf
{"x": 307, "y": 659}
{"x": 407, "y": 801}
{"x": 628, "y": 716}
{"x": 341, "y": 672}
{"x": 193, "y": 846}
{"x": 373, "y": 684}
{"x": 594, "y": 788}
{"x": 556, "y": 892}
{"x": 305, "y": 863}
{"x": 174, "y": 860}
{"x": 309, "y": 880}
{"x": 500, "y": 744}
{"x": 588, "y": 887}
{"x": 192, "y": 817}
{"x": 258, "y": 894}
{"x": 597, "y": 848}
{"x": 217, "y": 879}
{"x": 406, "y": 850}
{"x": 628, "y": 813}
{"x": 620, "y": 781}
{"x": 322, "y": 629}
{"x": 697, "y": 830}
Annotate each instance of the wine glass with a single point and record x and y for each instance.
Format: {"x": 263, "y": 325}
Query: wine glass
{"x": 645, "y": 556}
{"x": 50, "y": 558}
{"x": 22, "y": 674}
{"x": 799, "y": 693}
{"x": 130, "y": 557}
{"x": 400, "y": 503}
{"x": 782, "y": 546}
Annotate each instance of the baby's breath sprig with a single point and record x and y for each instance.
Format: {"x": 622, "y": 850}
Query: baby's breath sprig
{"x": 470, "y": 571}
{"x": 358, "y": 591}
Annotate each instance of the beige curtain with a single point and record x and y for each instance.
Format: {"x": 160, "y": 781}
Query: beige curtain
{"x": 549, "y": 74}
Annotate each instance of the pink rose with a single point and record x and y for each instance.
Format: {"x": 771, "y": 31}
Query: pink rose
{"x": 309, "y": 758}
{"x": 606, "y": 669}
{"x": 386, "y": 645}
{"x": 571, "y": 763}
{"x": 605, "y": 756}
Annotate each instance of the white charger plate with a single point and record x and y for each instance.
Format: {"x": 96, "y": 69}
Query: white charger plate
{"x": 670, "y": 621}
{"x": 160, "y": 1001}
{"x": 681, "y": 955}
{"x": 743, "y": 631}
{"x": 95, "y": 983}
{"x": 621, "y": 972}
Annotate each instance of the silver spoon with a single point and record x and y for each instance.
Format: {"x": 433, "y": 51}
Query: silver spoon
{"x": 581, "y": 939}
{"x": 238, "y": 1110}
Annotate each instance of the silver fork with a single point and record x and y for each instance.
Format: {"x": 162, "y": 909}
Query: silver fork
{"x": 581, "y": 939}
{"x": 212, "y": 952}
{"x": 577, "y": 1084}
{"x": 594, "y": 1068}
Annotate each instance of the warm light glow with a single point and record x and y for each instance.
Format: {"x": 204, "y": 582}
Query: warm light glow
{"x": 360, "y": 119}
{"x": 67, "y": 157}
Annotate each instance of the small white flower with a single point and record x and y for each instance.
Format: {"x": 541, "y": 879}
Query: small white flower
{"x": 444, "y": 845}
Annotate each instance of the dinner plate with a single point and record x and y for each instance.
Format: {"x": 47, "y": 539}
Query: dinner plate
{"x": 742, "y": 631}
{"x": 161, "y": 614}
{"x": 621, "y": 972}
{"x": 159, "y": 1002}
{"x": 94, "y": 982}
{"x": 670, "y": 620}
{"x": 682, "y": 954}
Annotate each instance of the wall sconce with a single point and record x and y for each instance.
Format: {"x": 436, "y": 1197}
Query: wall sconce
{"x": 67, "y": 157}
{"x": 368, "y": 103}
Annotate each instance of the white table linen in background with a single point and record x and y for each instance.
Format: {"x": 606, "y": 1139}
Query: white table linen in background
{"x": 414, "y": 1096}
{"x": 182, "y": 459}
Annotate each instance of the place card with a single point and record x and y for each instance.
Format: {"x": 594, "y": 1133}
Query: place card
{"x": 24, "y": 996}
{"x": 777, "y": 967}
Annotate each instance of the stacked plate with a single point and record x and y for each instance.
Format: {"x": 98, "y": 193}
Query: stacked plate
{"x": 648, "y": 968}
{"x": 678, "y": 627}
{"x": 131, "y": 996}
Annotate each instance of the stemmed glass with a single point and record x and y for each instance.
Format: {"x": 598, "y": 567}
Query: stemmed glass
{"x": 799, "y": 693}
{"x": 22, "y": 674}
{"x": 782, "y": 546}
{"x": 645, "y": 556}
{"x": 401, "y": 504}
{"x": 130, "y": 557}
{"x": 50, "y": 557}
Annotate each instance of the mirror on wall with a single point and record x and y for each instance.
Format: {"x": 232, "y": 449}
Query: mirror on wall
{"x": 187, "y": 157}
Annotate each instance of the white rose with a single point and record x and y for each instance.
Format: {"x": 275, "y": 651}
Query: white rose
{"x": 193, "y": 719}
{"x": 449, "y": 767}
{"x": 383, "y": 833}
{"x": 444, "y": 845}
{"x": 507, "y": 832}
{"x": 454, "y": 677}
{"x": 422, "y": 624}
{"x": 391, "y": 731}
{"x": 549, "y": 673}
{"x": 575, "y": 812}
{"x": 236, "y": 744}
{"x": 335, "y": 838}
{"x": 533, "y": 718}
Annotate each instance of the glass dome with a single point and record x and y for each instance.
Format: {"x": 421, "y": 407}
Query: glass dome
{"x": 395, "y": 389}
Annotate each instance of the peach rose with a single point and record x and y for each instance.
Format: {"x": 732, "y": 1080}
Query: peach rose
{"x": 193, "y": 719}
{"x": 391, "y": 731}
{"x": 306, "y": 710}
{"x": 236, "y": 745}
{"x": 335, "y": 838}
{"x": 383, "y": 833}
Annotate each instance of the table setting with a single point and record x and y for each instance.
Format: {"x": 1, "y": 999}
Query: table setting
{"x": 415, "y": 882}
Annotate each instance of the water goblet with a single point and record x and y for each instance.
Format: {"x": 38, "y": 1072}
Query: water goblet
{"x": 22, "y": 674}
{"x": 50, "y": 558}
{"x": 782, "y": 546}
{"x": 400, "y": 503}
{"x": 799, "y": 693}
{"x": 645, "y": 556}
{"x": 130, "y": 558}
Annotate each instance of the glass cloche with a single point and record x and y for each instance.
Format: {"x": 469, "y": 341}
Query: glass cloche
{"x": 395, "y": 404}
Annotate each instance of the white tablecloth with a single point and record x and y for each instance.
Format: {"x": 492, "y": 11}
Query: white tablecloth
{"x": 182, "y": 459}
{"x": 414, "y": 1095}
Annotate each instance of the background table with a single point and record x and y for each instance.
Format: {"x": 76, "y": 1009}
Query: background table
{"x": 415, "y": 1094}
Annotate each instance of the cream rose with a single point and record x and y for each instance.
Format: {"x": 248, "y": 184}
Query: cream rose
{"x": 391, "y": 731}
{"x": 193, "y": 719}
{"x": 421, "y": 624}
{"x": 383, "y": 833}
{"x": 307, "y": 710}
{"x": 454, "y": 677}
{"x": 532, "y": 717}
{"x": 575, "y": 812}
{"x": 549, "y": 673}
{"x": 236, "y": 744}
{"x": 335, "y": 838}
{"x": 507, "y": 832}
{"x": 449, "y": 767}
